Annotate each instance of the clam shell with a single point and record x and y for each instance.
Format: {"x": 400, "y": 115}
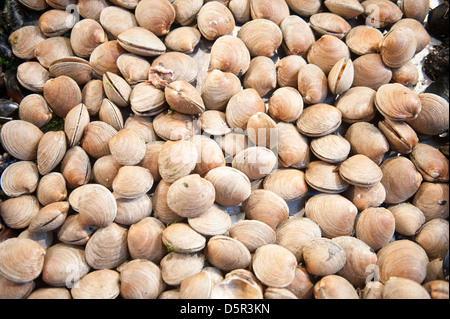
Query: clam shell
{"x": 214, "y": 221}
{"x": 401, "y": 137}
{"x": 261, "y": 36}
{"x": 92, "y": 95}
{"x": 145, "y": 239}
{"x": 156, "y": 16}
{"x": 146, "y": 99}
{"x": 329, "y": 23}
{"x": 182, "y": 65}
{"x": 159, "y": 203}
{"x": 75, "y": 123}
{"x": 32, "y": 76}
{"x": 115, "y": 20}
{"x": 217, "y": 89}
{"x": 422, "y": 36}
{"x": 253, "y": 233}
{"x": 334, "y": 287}
{"x": 357, "y": 104}
{"x": 199, "y": 286}
{"x": 186, "y": 11}
{"x": 323, "y": 256}
{"x": 132, "y": 210}
{"x": 363, "y": 39}
{"x": 404, "y": 288}
{"x": 340, "y": 78}
{"x": 127, "y": 147}
{"x": 104, "y": 170}
{"x": 49, "y": 217}
{"x": 98, "y": 284}
{"x": 287, "y": 70}
{"x": 319, "y": 120}
{"x": 261, "y": 75}
{"x": 24, "y": 41}
{"x": 97, "y": 205}
{"x": 397, "y": 102}
{"x": 348, "y": 9}
{"x": 230, "y": 54}
{"x": 116, "y": 89}
{"x": 215, "y": 20}
{"x": 140, "y": 41}
{"x": 183, "y": 97}
{"x": 305, "y": 8}
{"x": 50, "y": 293}
{"x": 408, "y": 218}
{"x": 21, "y": 139}
{"x": 34, "y": 109}
{"x": 296, "y": 45}
{"x": 110, "y": 114}
{"x": 183, "y": 39}
{"x": 433, "y": 237}
{"x": 74, "y": 232}
{"x": 104, "y": 57}
{"x": 18, "y": 212}
{"x": 255, "y": 161}
{"x": 85, "y": 36}
{"x": 398, "y": 47}
{"x": 375, "y": 226}
{"x": 430, "y": 162}
{"x": 62, "y": 94}
{"x": 288, "y": 183}
{"x": 238, "y": 284}
{"x": 182, "y": 238}
{"x": 364, "y": 197}
{"x": 275, "y": 11}
{"x": 76, "y": 167}
{"x": 20, "y": 178}
{"x": 52, "y": 49}
{"x": 325, "y": 177}
{"x": 176, "y": 266}
{"x": 96, "y": 137}
{"x": 176, "y": 159}
{"x": 209, "y": 155}
{"x": 133, "y": 68}
{"x": 227, "y": 253}
{"x": 370, "y": 71}
{"x": 285, "y": 104}
{"x": 76, "y": 68}
{"x": 327, "y": 51}
{"x": 331, "y": 148}
{"x": 431, "y": 199}
{"x": 386, "y": 13}
{"x": 150, "y": 160}
{"x": 242, "y": 106}
{"x": 214, "y": 122}
{"x": 360, "y": 170}
{"x": 51, "y": 188}
{"x": 433, "y": 119}
{"x": 262, "y": 130}
{"x": 312, "y": 84}
{"x": 132, "y": 181}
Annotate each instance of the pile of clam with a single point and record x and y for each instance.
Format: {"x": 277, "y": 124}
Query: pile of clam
{"x": 286, "y": 158}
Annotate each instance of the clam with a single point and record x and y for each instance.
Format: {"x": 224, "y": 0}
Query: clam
{"x": 432, "y": 200}
{"x": 373, "y": 290}
{"x": 110, "y": 114}
{"x": 209, "y": 155}
{"x": 49, "y": 217}
{"x": 183, "y": 97}
{"x": 62, "y": 94}
{"x": 327, "y": 51}
{"x": 375, "y": 226}
{"x": 262, "y": 130}
{"x": 183, "y": 39}
{"x": 357, "y": 104}
{"x": 91, "y": 9}
{"x": 217, "y": 89}
{"x": 159, "y": 204}
{"x": 24, "y": 41}
{"x": 74, "y": 232}
{"x": 275, "y": 11}
{"x": 146, "y": 99}
{"x": 381, "y": 13}
{"x": 141, "y": 41}
{"x": 104, "y": 170}
{"x": 176, "y": 159}
{"x": 181, "y": 238}
{"x": 97, "y": 206}
{"x": 360, "y": 170}
{"x": 18, "y": 212}
{"x": 364, "y": 197}
{"x": 150, "y": 160}
{"x": 199, "y": 286}
{"x": 285, "y": 104}
{"x": 329, "y": 23}
{"x": 312, "y": 84}
{"x": 240, "y": 10}
{"x": 132, "y": 181}
{"x": 134, "y": 68}
{"x": 96, "y": 137}
{"x": 293, "y": 149}
{"x": 422, "y": 36}
{"x": 404, "y": 288}
{"x": 370, "y": 71}
{"x": 287, "y": 70}
{"x": 433, "y": 118}
{"x": 266, "y": 206}
{"x": 261, "y": 36}
{"x": 145, "y": 239}
{"x": 116, "y": 19}
{"x": 334, "y": 287}
{"x": 302, "y": 286}
{"x": 52, "y": 49}
{"x": 398, "y": 46}
{"x": 92, "y": 96}
{"x": 34, "y": 109}
{"x": 104, "y": 57}
{"x": 400, "y": 179}
{"x": 32, "y": 76}
{"x": 230, "y": 54}
{"x": 305, "y": 8}
{"x": 21, "y": 139}
{"x": 331, "y": 148}
{"x": 181, "y": 192}
{"x": 107, "y": 248}
{"x": 416, "y": 10}
{"x": 86, "y": 35}
{"x": 407, "y": 74}
{"x": 232, "y": 143}
{"x": 363, "y": 39}
{"x": 288, "y": 183}
{"x": 140, "y": 279}
{"x": 76, "y": 121}
{"x": 22, "y": 259}
{"x": 116, "y": 89}
{"x": 98, "y": 284}
{"x": 261, "y": 75}
{"x": 50, "y": 293}
{"x": 238, "y": 284}
{"x": 325, "y": 177}
{"x": 51, "y": 188}
{"x": 20, "y": 178}
{"x": 214, "y": 221}
{"x": 255, "y": 161}
{"x": 438, "y": 289}
{"x": 127, "y": 4}
{"x": 60, "y": 4}
{"x": 182, "y": 65}
{"x": 397, "y": 102}
{"x": 333, "y": 213}
{"x": 76, "y": 167}
{"x": 76, "y": 68}
{"x": 124, "y": 143}
{"x": 402, "y": 258}
{"x": 213, "y": 122}
{"x": 64, "y": 265}
{"x": 143, "y": 126}
{"x": 252, "y": 233}
{"x": 433, "y": 237}
{"x": 132, "y": 210}
{"x": 348, "y": 9}
{"x": 319, "y": 120}
{"x": 174, "y": 126}
{"x": 156, "y": 16}
{"x": 430, "y": 162}
{"x": 242, "y": 106}
{"x": 227, "y": 253}
{"x": 214, "y": 20}
{"x": 323, "y": 257}
{"x": 177, "y": 266}
{"x": 401, "y": 137}
{"x": 340, "y": 78}
{"x": 186, "y": 11}
{"x": 408, "y": 218}
{"x": 292, "y": 44}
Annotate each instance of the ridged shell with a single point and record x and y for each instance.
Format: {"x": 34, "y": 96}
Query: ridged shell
{"x": 51, "y": 188}
{"x": 363, "y": 39}
{"x": 331, "y": 148}
{"x": 255, "y": 161}
{"x": 430, "y": 162}
{"x": 98, "y": 284}
{"x": 18, "y": 212}
{"x": 408, "y": 218}
{"x": 97, "y": 205}
{"x": 85, "y": 36}
{"x": 401, "y": 137}
{"x": 141, "y": 41}
{"x": 370, "y": 71}
{"x": 227, "y": 253}
{"x": 242, "y": 106}
{"x": 75, "y": 123}
{"x": 20, "y": 178}
{"x": 261, "y": 36}
{"x": 292, "y": 26}
{"x": 145, "y": 239}
{"x": 21, "y": 139}
{"x": 176, "y": 266}
{"x": 327, "y": 51}
{"x": 182, "y": 238}
{"x": 62, "y": 94}
{"x": 319, "y": 120}
{"x": 433, "y": 118}
{"x": 96, "y": 137}
{"x": 288, "y": 183}
{"x": 49, "y": 217}
{"x": 375, "y": 226}
{"x": 398, "y": 47}
{"x": 329, "y": 23}
{"x": 253, "y": 233}
{"x": 360, "y": 170}
{"x": 215, "y": 221}
{"x": 325, "y": 177}
{"x": 132, "y": 181}
{"x": 155, "y": 15}
{"x": 215, "y": 20}
{"x": 323, "y": 256}
{"x": 230, "y": 54}
{"x": 397, "y": 102}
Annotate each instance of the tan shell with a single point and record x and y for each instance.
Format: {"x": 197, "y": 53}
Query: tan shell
{"x": 92, "y": 95}
{"x": 132, "y": 181}
{"x": 213, "y": 122}
{"x": 370, "y": 71}
{"x": 232, "y": 143}
{"x": 357, "y": 104}
{"x": 96, "y": 137}
{"x": 159, "y": 204}
{"x": 291, "y": 27}
{"x": 422, "y": 36}
{"x": 331, "y": 148}
{"x": 115, "y": 19}
{"x": 218, "y": 87}
{"x": 386, "y": 13}
{"x": 373, "y": 290}
{"x": 176, "y": 159}
{"x": 51, "y": 188}
{"x": 52, "y": 49}
{"x": 430, "y": 162}
{"x": 186, "y": 11}
{"x": 397, "y": 102}
{"x": 431, "y": 199}
{"x": 21, "y": 139}
{"x": 18, "y": 212}
{"x": 146, "y": 99}
{"x": 183, "y": 66}
{"x": 227, "y": 253}
{"x": 340, "y": 78}
{"x": 266, "y": 206}
{"x": 407, "y": 74}
{"x": 22, "y": 259}
{"x": 363, "y": 39}
{"x": 433, "y": 118}
{"x": 75, "y": 123}
{"x": 230, "y": 54}
{"x": 181, "y": 192}
{"x": 288, "y": 183}
{"x": 24, "y": 41}
{"x": 329, "y": 23}
{"x": 85, "y": 36}
{"x": 305, "y": 8}
{"x": 261, "y": 75}
{"x": 183, "y": 39}
{"x": 76, "y": 167}
{"x": 375, "y": 226}
{"x": 334, "y": 287}
{"x": 62, "y": 94}
{"x": 327, "y": 51}
{"x": 401, "y": 137}
{"x": 183, "y": 97}
{"x": 20, "y": 178}
{"x": 348, "y": 9}
{"x": 404, "y": 288}
{"x": 176, "y": 266}
{"x": 104, "y": 57}
{"x": 181, "y": 238}
{"x": 261, "y": 36}
{"x": 140, "y": 41}
{"x": 285, "y": 104}
{"x": 49, "y": 217}
{"x": 215, "y": 221}
{"x": 155, "y": 15}
{"x": 145, "y": 239}
{"x": 325, "y": 177}
{"x": 287, "y": 70}
{"x": 312, "y": 84}
{"x": 242, "y": 106}
{"x": 363, "y": 197}
{"x": 110, "y": 114}
{"x": 98, "y": 284}
{"x": 408, "y": 218}
{"x": 209, "y": 154}
{"x": 275, "y": 11}
{"x": 134, "y": 68}
{"x": 143, "y": 126}
{"x": 34, "y": 109}
{"x": 116, "y": 89}
{"x": 402, "y": 258}
{"x": 214, "y": 20}
{"x": 74, "y": 232}
{"x": 334, "y": 214}
{"x": 323, "y": 256}
{"x": 416, "y": 10}
{"x": 150, "y": 160}
{"x": 438, "y": 289}
{"x": 32, "y": 76}
{"x": 255, "y": 161}
{"x": 319, "y": 120}
{"x": 199, "y": 286}
{"x": 238, "y": 284}
{"x": 360, "y": 170}
{"x": 91, "y": 9}
{"x": 262, "y": 130}
{"x": 132, "y": 210}
{"x": 50, "y": 293}
{"x": 97, "y": 205}
{"x": 398, "y": 46}
{"x": 240, "y": 10}
{"x": 127, "y": 142}
{"x": 433, "y": 237}
{"x": 252, "y": 233}
{"x": 76, "y": 68}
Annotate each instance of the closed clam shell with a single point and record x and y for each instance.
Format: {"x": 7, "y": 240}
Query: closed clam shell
{"x": 253, "y": 233}
{"x": 340, "y": 78}
{"x": 275, "y": 11}
{"x": 319, "y": 120}
{"x": 348, "y": 9}
{"x": 357, "y": 104}
{"x": 431, "y": 199}
{"x": 76, "y": 68}
{"x": 398, "y": 46}
{"x": 199, "y": 286}
{"x": 312, "y": 84}
{"x": 217, "y": 89}
{"x": 363, "y": 39}
{"x": 227, "y": 253}
{"x": 22, "y": 259}
{"x": 104, "y": 170}
{"x": 285, "y": 104}
{"x": 331, "y": 148}
{"x": 209, "y": 154}
{"x": 76, "y": 121}
{"x": 230, "y": 54}
{"x": 262, "y": 130}
{"x": 360, "y": 170}
{"x": 62, "y": 94}
{"x": 402, "y": 258}
{"x": 98, "y": 284}
{"x": 21, "y": 139}
{"x": 156, "y": 16}
{"x": 183, "y": 39}
{"x": 334, "y": 287}
{"x": 182, "y": 238}
{"x": 407, "y": 74}
{"x": 52, "y": 49}
{"x": 329, "y": 23}
{"x": 373, "y": 290}
{"x": 400, "y": 179}
{"x": 133, "y": 68}
{"x": 127, "y": 147}
{"x": 238, "y": 284}
{"x": 97, "y": 205}
{"x": 214, "y": 20}
{"x": 132, "y": 210}
{"x": 183, "y": 97}
{"x": 76, "y": 167}
{"x": 430, "y": 162}
{"x": 34, "y": 109}
{"x": 59, "y": 4}
{"x": 261, "y": 75}
{"x": 145, "y": 239}
{"x": 381, "y": 13}
{"x": 325, "y": 177}
{"x": 50, "y": 293}
{"x": 287, "y": 70}
{"x": 305, "y": 8}
{"x": 363, "y": 197}
{"x": 261, "y": 36}
{"x": 214, "y": 122}
{"x": 422, "y": 36}
{"x": 116, "y": 89}
{"x": 266, "y": 206}
{"x": 127, "y": 4}
{"x": 176, "y": 159}
{"x": 140, "y": 279}
{"x": 214, "y": 221}
{"x": 401, "y": 137}
{"x": 64, "y": 265}
{"x": 288, "y": 183}
{"x": 233, "y": 143}
{"x": 433, "y": 237}
{"x": 397, "y": 102}
{"x": 177, "y": 266}
{"x": 49, "y": 217}
{"x": 24, "y": 40}
{"x": 51, "y": 188}
{"x": 150, "y": 160}
{"x": 181, "y": 192}
{"x": 159, "y": 204}
{"x": 85, "y": 36}
{"x": 296, "y": 45}
{"x": 143, "y": 126}
{"x": 186, "y": 11}
{"x": 141, "y": 41}
{"x": 334, "y": 214}
{"x": 132, "y": 181}
{"x": 20, "y": 178}
{"x": 255, "y": 161}
{"x": 242, "y": 106}
{"x": 404, "y": 288}
{"x": 18, "y": 212}
{"x": 183, "y": 66}
{"x": 231, "y": 185}
{"x": 92, "y": 95}
{"x": 173, "y": 126}
{"x": 104, "y": 57}
{"x": 32, "y": 76}
{"x": 433, "y": 119}
{"x": 416, "y": 10}
{"x": 110, "y": 114}
{"x": 295, "y": 233}
{"x": 74, "y": 232}
{"x": 375, "y": 226}
{"x": 408, "y": 218}
{"x": 323, "y": 256}
{"x": 115, "y": 19}
{"x": 107, "y": 247}
{"x": 91, "y": 9}
{"x": 327, "y": 51}
{"x": 146, "y": 99}
{"x": 370, "y": 71}
{"x": 240, "y": 10}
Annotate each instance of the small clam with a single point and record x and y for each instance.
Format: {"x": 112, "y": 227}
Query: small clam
{"x": 261, "y": 75}
{"x": 334, "y": 214}
{"x": 104, "y": 57}
{"x": 51, "y": 188}
{"x": 76, "y": 121}
{"x": 150, "y": 160}
{"x": 183, "y": 97}
{"x": 127, "y": 142}
{"x": 76, "y": 68}
{"x": 398, "y": 46}
{"x": 364, "y": 197}
{"x": 292, "y": 26}
{"x": 286, "y": 104}
{"x": 177, "y": 266}
{"x": 242, "y": 106}
{"x": 433, "y": 118}
{"x": 116, "y": 89}
{"x": 438, "y": 289}
{"x": 214, "y": 221}
{"x": 50, "y": 293}
{"x": 255, "y": 162}
{"x": 62, "y": 94}
{"x": 240, "y": 10}
{"x": 288, "y": 183}
{"x": 18, "y": 212}
{"x": 134, "y": 68}
{"x": 331, "y": 148}
{"x": 432, "y": 200}
{"x": 156, "y": 16}
{"x": 98, "y": 284}
{"x": 319, "y": 120}
{"x": 327, "y": 51}
{"x": 408, "y": 218}
{"x": 433, "y": 237}
{"x": 404, "y": 288}
{"x": 312, "y": 84}
{"x": 340, "y": 78}
{"x": 96, "y": 137}
{"x": 329, "y": 23}
{"x": 32, "y": 76}
{"x": 214, "y": 20}
{"x": 145, "y": 239}
{"x": 174, "y": 126}
{"x": 261, "y": 36}
{"x": 363, "y": 39}
{"x": 34, "y": 109}
{"x": 183, "y": 39}
{"x": 266, "y": 206}
{"x": 176, "y": 159}
{"x": 24, "y": 40}
{"x": 334, "y": 287}
{"x": 422, "y": 36}
{"x": 232, "y": 143}
{"x": 253, "y": 233}
{"x": 104, "y": 170}
{"x": 92, "y": 95}
{"x": 132, "y": 210}
{"x": 181, "y": 192}
{"x": 238, "y": 284}
{"x": 115, "y": 19}
{"x": 181, "y": 238}
{"x": 186, "y": 11}
{"x": 143, "y": 126}
{"x": 209, "y": 155}
{"x": 287, "y": 70}
{"x": 159, "y": 204}
{"x": 85, "y": 36}
{"x": 21, "y": 139}
{"x": 52, "y": 49}
{"x": 213, "y": 122}
{"x": 49, "y": 217}
{"x": 146, "y": 99}
{"x": 323, "y": 256}
{"x": 97, "y": 206}
{"x": 325, "y": 177}
{"x": 91, "y": 9}
{"x": 132, "y": 182}
{"x": 401, "y": 137}
{"x": 227, "y": 253}
{"x": 397, "y": 102}
{"x": 182, "y": 65}
{"x": 110, "y": 114}
{"x": 262, "y": 130}
{"x": 275, "y": 11}
{"x": 381, "y": 13}
{"x": 407, "y": 74}
{"x": 375, "y": 226}
{"x": 127, "y": 4}
{"x": 74, "y": 232}
{"x": 20, "y": 178}
{"x": 373, "y": 290}
{"x": 51, "y": 150}
{"x": 305, "y": 8}
{"x": 199, "y": 286}
{"x": 293, "y": 148}
{"x": 141, "y": 41}
{"x": 217, "y": 89}
{"x": 348, "y": 9}
{"x": 416, "y": 10}
{"x": 76, "y": 167}
{"x": 230, "y": 54}
{"x": 430, "y": 162}
{"x": 370, "y": 71}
